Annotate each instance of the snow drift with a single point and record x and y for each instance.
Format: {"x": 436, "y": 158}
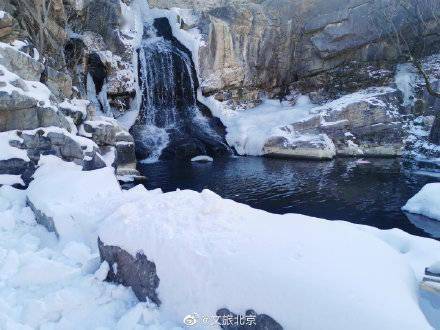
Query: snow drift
{"x": 426, "y": 202}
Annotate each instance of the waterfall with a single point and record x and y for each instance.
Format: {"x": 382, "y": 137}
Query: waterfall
{"x": 170, "y": 120}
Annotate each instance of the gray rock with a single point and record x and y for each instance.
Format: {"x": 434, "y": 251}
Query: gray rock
{"x": 42, "y": 218}
{"x": 93, "y": 162}
{"x": 103, "y": 130}
{"x": 136, "y": 272}
{"x": 20, "y": 63}
{"x": 6, "y": 21}
{"x": 59, "y": 83}
{"x": 370, "y": 127}
{"x": 306, "y": 146}
{"x": 27, "y": 118}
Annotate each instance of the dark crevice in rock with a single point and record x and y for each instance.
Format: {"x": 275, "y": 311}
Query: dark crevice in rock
{"x": 136, "y": 272}
{"x": 97, "y": 70}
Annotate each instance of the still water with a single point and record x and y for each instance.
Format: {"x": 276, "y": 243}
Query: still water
{"x": 370, "y": 193}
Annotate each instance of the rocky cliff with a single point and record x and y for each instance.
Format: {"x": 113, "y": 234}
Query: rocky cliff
{"x": 254, "y": 46}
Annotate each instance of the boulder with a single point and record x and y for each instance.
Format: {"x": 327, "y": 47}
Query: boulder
{"x": 75, "y": 109}
{"x": 19, "y": 111}
{"x": 136, "y": 272}
{"x": 102, "y": 130}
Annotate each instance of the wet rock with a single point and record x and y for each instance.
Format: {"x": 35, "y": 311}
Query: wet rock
{"x": 136, "y": 272}
{"x": 125, "y": 153}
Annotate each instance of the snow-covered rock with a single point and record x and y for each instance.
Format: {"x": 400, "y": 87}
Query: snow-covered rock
{"x": 202, "y": 159}
{"x": 68, "y": 200}
{"x": 20, "y": 63}
{"x": 362, "y": 123}
{"x": 46, "y": 284}
{"x": 324, "y": 270}
{"x": 26, "y": 104}
{"x": 426, "y": 202}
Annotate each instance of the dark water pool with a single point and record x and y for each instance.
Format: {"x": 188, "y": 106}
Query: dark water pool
{"x": 364, "y": 193}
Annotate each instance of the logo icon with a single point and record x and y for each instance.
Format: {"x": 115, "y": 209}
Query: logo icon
{"x": 190, "y": 319}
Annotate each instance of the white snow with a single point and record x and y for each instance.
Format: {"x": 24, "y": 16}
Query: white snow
{"x": 248, "y": 130}
{"x": 85, "y": 191}
{"x": 202, "y": 158}
{"x": 406, "y": 78}
{"x": 9, "y": 179}
{"x": 76, "y": 105}
{"x": 435, "y": 268}
{"x": 9, "y": 152}
{"x": 229, "y": 254}
{"x": 33, "y": 89}
{"x": 426, "y": 202}
{"x": 45, "y": 284}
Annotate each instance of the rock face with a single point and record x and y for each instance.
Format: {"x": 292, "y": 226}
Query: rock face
{"x": 137, "y": 272}
{"x": 265, "y": 45}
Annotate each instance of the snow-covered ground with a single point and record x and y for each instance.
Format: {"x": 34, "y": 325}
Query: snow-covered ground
{"x": 48, "y": 284}
{"x": 426, "y": 202}
{"x": 209, "y": 253}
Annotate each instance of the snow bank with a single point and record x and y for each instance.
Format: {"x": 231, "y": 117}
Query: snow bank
{"x": 299, "y": 270}
{"x": 426, "y": 202}
{"x": 73, "y": 198}
{"x": 45, "y": 284}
